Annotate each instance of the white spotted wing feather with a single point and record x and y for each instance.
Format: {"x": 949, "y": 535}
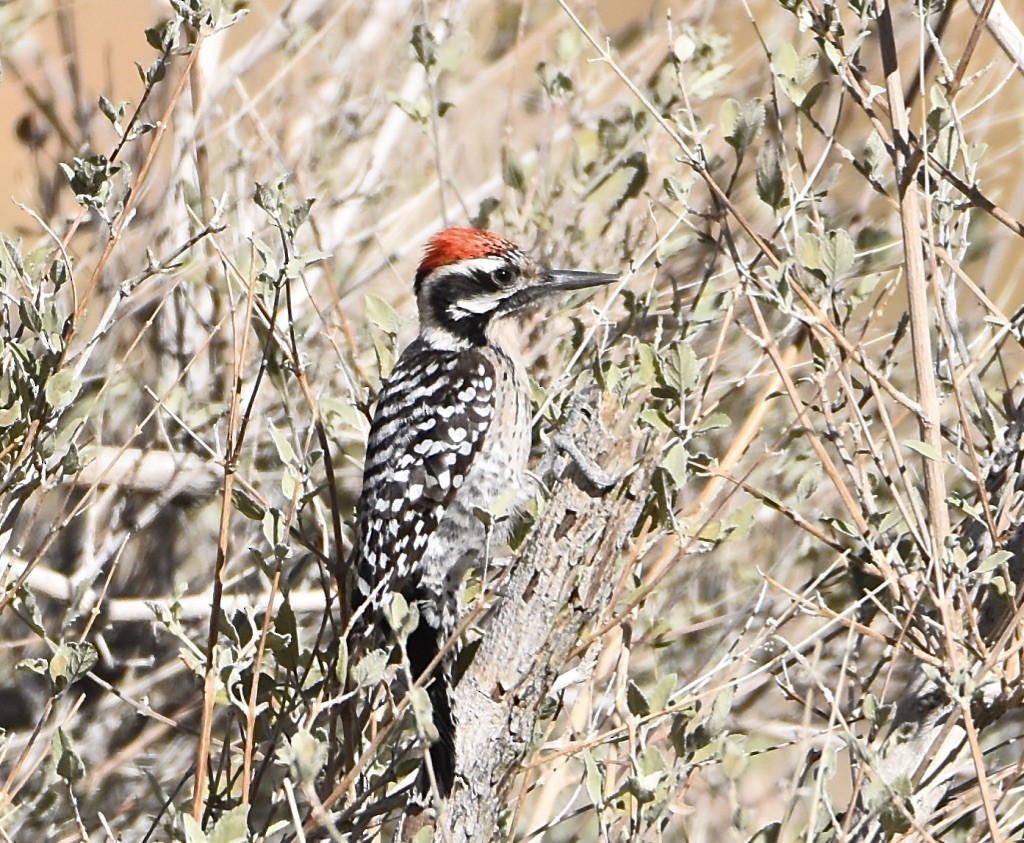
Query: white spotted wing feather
{"x": 430, "y": 423}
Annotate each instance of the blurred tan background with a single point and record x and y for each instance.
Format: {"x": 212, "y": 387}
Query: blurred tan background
{"x": 108, "y": 37}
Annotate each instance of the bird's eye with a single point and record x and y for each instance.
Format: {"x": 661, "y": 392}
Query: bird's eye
{"x": 503, "y": 275}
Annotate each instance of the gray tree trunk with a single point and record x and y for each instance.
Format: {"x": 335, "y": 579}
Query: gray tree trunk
{"x": 562, "y": 581}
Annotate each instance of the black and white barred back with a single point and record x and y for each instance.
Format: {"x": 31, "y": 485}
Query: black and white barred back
{"x": 450, "y": 435}
{"x": 432, "y": 457}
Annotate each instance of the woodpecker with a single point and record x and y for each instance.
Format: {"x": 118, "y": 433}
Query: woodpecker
{"x": 450, "y": 435}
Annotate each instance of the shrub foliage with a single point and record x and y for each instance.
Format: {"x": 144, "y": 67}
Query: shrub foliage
{"x": 795, "y": 613}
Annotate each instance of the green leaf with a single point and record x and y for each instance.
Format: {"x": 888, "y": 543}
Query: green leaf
{"x": 636, "y": 701}
{"x": 864, "y": 287}
{"x": 384, "y": 348}
{"x": 662, "y": 691}
{"x": 71, "y": 661}
{"x": 678, "y": 735}
{"x": 293, "y": 268}
{"x": 676, "y": 462}
{"x": 997, "y": 559}
{"x": 841, "y": 526}
{"x": 720, "y": 709}
{"x": 595, "y": 783}
{"x": 30, "y": 316}
{"x": 1001, "y": 586}
{"x": 827, "y": 764}
{"x": 734, "y": 756}
{"x": 923, "y": 448}
{"x": 482, "y": 218}
{"x": 418, "y": 111}
{"x": 713, "y": 422}
{"x": 164, "y": 37}
{"x": 114, "y": 113}
{"x": 676, "y": 190}
{"x": 891, "y": 519}
{"x": 648, "y": 368}
{"x": 284, "y": 448}
{"x": 512, "y": 171}
{"x": 247, "y": 505}
{"x": 424, "y": 44}
{"x": 728, "y": 117}
{"x": 681, "y": 368}
{"x": 272, "y": 527}
{"x": 786, "y": 60}
{"x": 348, "y": 414}
{"x": 424, "y": 712}
{"x": 341, "y": 667}
{"x": 874, "y": 153}
{"x": 287, "y": 649}
{"x": 741, "y": 125}
{"x": 291, "y": 483}
{"x": 877, "y": 715}
{"x": 60, "y": 388}
{"x": 402, "y": 617}
{"x": 809, "y": 482}
{"x": 651, "y": 761}
{"x": 454, "y": 50}
{"x": 232, "y": 827}
{"x": 624, "y": 183}
{"x": 383, "y": 315}
{"x": 154, "y": 73}
{"x": 69, "y": 765}
{"x": 771, "y": 187}
{"x": 557, "y": 85}
{"x": 305, "y": 756}
{"x": 890, "y": 804}
{"x": 193, "y": 831}
{"x": 40, "y": 666}
{"x": 809, "y": 250}
{"x": 370, "y": 668}
{"x": 837, "y": 254}
{"x": 656, "y": 419}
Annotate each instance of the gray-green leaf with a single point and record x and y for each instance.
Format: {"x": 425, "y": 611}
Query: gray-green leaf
{"x": 770, "y": 184}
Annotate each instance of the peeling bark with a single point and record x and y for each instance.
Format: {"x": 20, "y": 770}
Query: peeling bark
{"x": 561, "y": 582}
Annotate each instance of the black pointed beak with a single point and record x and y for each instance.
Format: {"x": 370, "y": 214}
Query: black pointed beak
{"x": 553, "y": 281}
{"x": 575, "y": 279}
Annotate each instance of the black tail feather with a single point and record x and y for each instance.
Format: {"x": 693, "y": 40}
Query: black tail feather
{"x": 422, "y": 647}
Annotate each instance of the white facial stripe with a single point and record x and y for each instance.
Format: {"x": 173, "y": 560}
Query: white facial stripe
{"x": 467, "y": 267}
{"x": 442, "y": 340}
{"x": 485, "y": 265}
{"x": 477, "y": 305}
